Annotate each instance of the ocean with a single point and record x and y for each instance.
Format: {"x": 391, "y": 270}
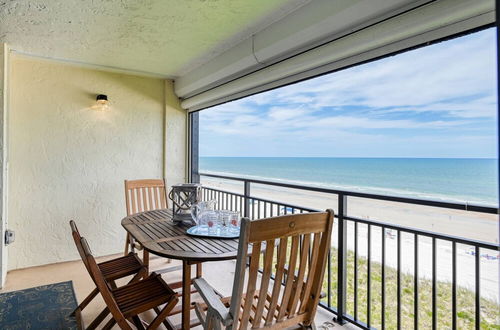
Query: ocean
{"x": 474, "y": 181}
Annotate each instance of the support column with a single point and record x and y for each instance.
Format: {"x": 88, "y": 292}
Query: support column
{"x": 4, "y": 68}
{"x": 175, "y": 138}
{"x": 194, "y": 147}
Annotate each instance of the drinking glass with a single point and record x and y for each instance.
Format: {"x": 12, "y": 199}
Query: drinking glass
{"x": 234, "y": 221}
{"x": 224, "y": 220}
{"x": 211, "y": 220}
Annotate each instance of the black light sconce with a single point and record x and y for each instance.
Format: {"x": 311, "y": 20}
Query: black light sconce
{"x": 102, "y": 103}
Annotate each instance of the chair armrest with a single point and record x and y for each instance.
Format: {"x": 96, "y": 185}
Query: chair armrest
{"x": 212, "y": 300}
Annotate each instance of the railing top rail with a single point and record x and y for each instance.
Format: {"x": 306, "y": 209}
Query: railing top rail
{"x": 265, "y": 200}
{"x": 376, "y": 223}
{"x": 409, "y": 200}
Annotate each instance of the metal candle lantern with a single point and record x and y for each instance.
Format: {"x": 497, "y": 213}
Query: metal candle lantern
{"x": 184, "y": 196}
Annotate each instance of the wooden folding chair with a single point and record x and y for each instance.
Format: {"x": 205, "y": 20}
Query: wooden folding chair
{"x": 127, "y": 302}
{"x": 112, "y": 270}
{"x": 296, "y": 251}
{"x": 140, "y": 196}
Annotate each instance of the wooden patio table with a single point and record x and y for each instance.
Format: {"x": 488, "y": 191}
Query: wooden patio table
{"x": 157, "y": 233}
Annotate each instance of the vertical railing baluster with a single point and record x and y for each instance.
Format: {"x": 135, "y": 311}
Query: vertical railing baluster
{"x": 454, "y": 285}
{"x": 434, "y": 285}
{"x": 341, "y": 258}
{"x": 415, "y": 282}
{"x": 368, "y": 279}
{"x": 478, "y": 287}
{"x": 383, "y": 279}
{"x": 246, "y": 193}
{"x": 329, "y": 281}
{"x": 258, "y": 209}
{"x": 356, "y": 270}
{"x": 398, "y": 284}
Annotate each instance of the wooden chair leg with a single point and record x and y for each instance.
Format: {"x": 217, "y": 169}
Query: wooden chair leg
{"x": 112, "y": 284}
{"x": 99, "y": 319}
{"x": 164, "y": 313}
{"x": 138, "y": 323}
{"x": 199, "y": 270}
{"x": 86, "y": 301}
{"x": 209, "y": 323}
{"x": 166, "y": 321}
{"x": 109, "y": 325}
{"x": 141, "y": 274}
{"x": 145, "y": 260}
{"x": 79, "y": 319}
{"x": 127, "y": 244}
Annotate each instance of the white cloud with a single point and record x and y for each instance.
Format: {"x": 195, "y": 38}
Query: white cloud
{"x": 434, "y": 95}
{"x": 445, "y": 73}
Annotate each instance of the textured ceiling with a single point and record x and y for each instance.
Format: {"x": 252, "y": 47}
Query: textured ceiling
{"x": 164, "y": 37}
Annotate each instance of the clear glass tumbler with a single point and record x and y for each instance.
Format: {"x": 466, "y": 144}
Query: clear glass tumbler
{"x": 234, "y": 221}
{"x": 211, "y": 220}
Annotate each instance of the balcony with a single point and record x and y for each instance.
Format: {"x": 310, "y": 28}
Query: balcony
{"x": 94, "y": 93}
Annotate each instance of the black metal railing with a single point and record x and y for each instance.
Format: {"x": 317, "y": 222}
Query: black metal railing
{"x": 359, "y": 270}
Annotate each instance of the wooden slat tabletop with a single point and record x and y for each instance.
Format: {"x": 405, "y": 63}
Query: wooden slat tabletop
{"x": 156, "y": 231}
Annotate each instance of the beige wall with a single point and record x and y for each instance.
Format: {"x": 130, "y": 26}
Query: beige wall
{"x": 69, "y": 162}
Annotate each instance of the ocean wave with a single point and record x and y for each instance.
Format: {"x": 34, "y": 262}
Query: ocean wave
{"x": 363, "y": 189}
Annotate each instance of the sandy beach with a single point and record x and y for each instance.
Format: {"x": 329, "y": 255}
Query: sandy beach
{"x": 472, "y": 225}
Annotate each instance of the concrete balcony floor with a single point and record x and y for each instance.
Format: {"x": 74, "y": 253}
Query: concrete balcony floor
{"x": 218, "y": 274}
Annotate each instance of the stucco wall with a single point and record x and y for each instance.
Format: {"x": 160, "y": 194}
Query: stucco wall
{"x": 69, "y": 162}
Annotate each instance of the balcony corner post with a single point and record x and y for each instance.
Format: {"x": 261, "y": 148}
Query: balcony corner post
{"x": 194, "y": 147}
{"x": 341, "y": 259}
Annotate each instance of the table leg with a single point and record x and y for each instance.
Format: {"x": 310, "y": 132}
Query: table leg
{"x": 186, "y": 295}
{"x": 198, "y": 270}
{"x": 145, "y": 261}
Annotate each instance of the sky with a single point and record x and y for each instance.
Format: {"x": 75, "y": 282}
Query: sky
{"x": 436, "y": 101}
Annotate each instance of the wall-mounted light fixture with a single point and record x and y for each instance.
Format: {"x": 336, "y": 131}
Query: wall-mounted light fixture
{"x": 102, "y": 103}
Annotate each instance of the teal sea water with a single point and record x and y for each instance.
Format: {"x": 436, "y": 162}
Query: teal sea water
{"x": 466, "y": 180}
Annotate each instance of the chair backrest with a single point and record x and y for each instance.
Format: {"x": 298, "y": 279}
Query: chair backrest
{"x": 145, "y": 195}
{"x": 77, "y": 238}
{"x": 103, "y": 287}
{"x": 295, "y": 252}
